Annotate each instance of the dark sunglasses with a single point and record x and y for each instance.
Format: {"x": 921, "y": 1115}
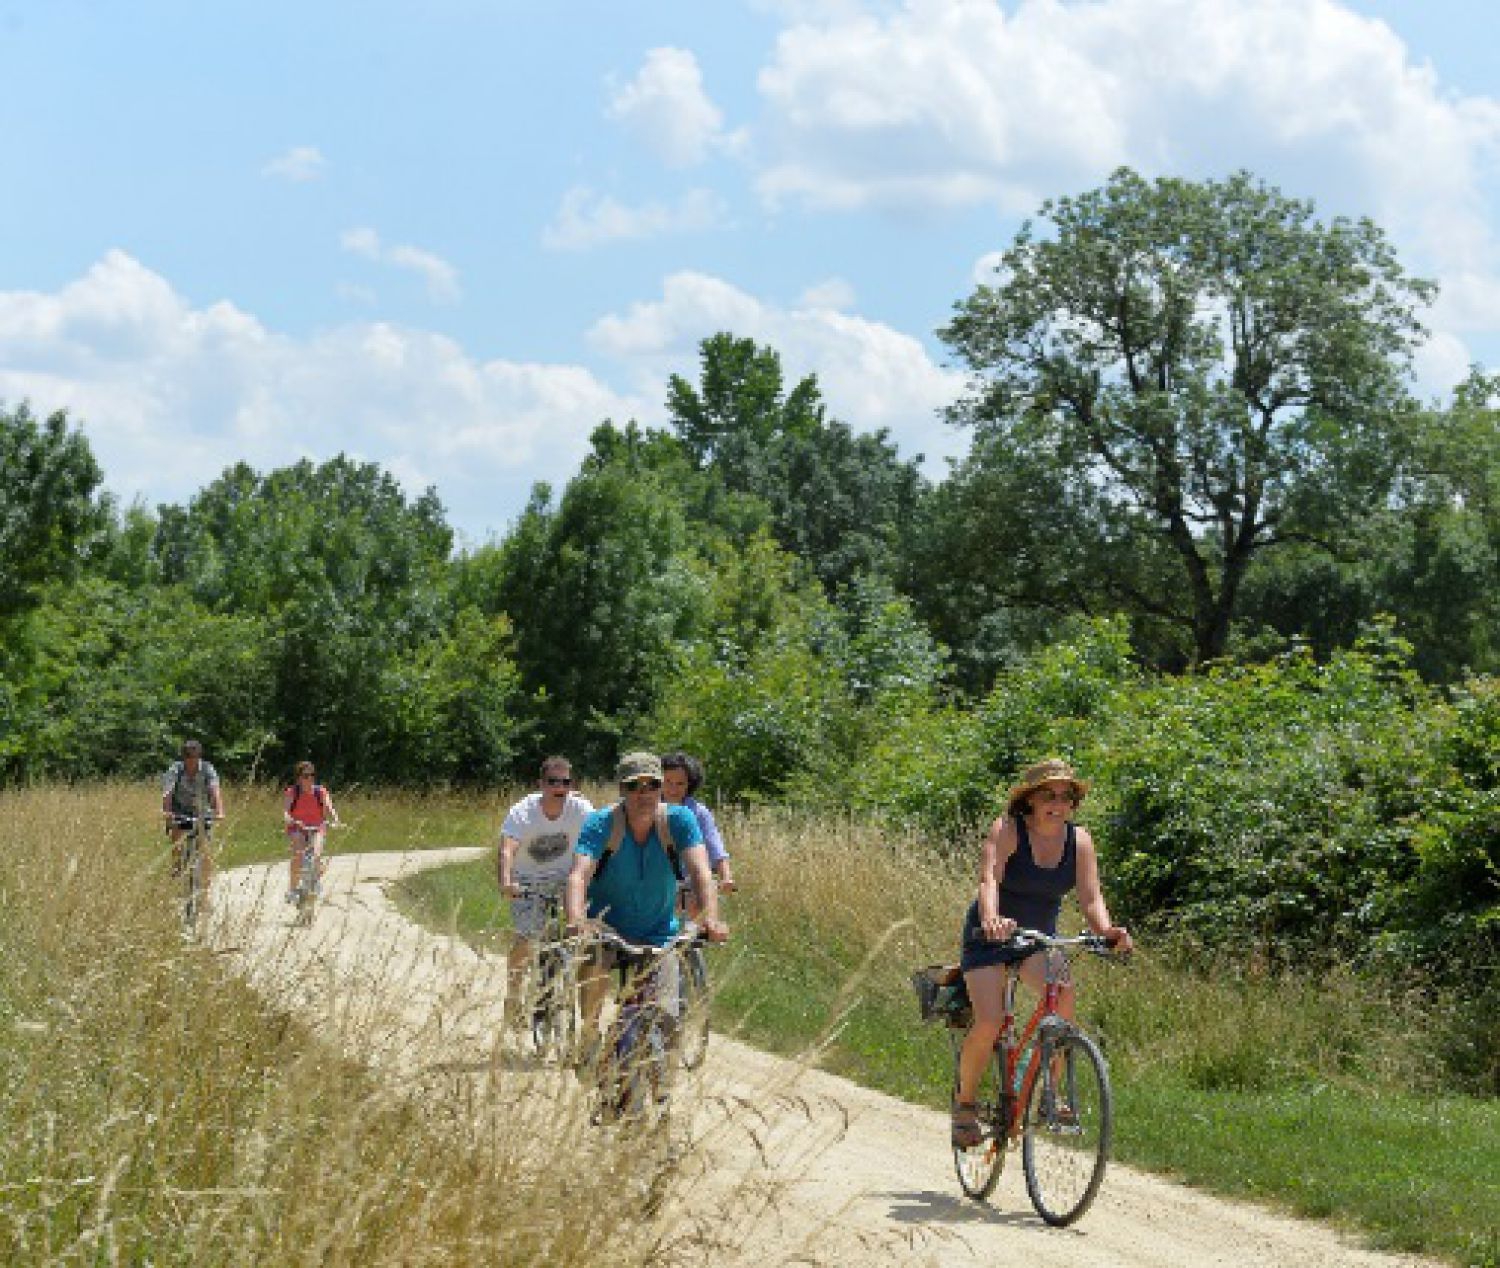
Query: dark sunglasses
{"x": 559, "y": 781}
{"x": 1056, "y": 794}
{"x": 643, "y": 784}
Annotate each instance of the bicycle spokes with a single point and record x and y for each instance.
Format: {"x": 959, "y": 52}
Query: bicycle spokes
{"x": 1067, "y": 1130}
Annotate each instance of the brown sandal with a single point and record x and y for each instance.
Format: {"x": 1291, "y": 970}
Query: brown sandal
{"x": 966, "y": 1130}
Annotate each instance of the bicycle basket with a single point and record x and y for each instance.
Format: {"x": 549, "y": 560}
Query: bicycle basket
{"x": 942, "y": 995}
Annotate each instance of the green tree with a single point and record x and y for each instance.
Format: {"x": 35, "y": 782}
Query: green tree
{"x": 842, "y": 501}
{"x": 1219, "y": 370}
{"x": 601, "y": 590}
{"x": 48, "y": 509}
{"x": 1429, "y": 557}
{"x": 349, "y": 575}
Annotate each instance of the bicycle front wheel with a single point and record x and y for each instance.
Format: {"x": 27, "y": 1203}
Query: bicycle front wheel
{"x": 1068, "y": 1127}
{"x": 554, "y": 1013}
{"x": 192, "y": 874}
{"x": 979, "y": 1166}
{"x": 694, "y": 1008}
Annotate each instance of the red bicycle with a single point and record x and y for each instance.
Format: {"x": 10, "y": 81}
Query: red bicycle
{"x": 1047, "y": 1086}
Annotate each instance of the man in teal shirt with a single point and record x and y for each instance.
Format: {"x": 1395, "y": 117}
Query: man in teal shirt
{"x": 633, "y": 888}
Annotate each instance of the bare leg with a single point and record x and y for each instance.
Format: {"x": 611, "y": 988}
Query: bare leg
{"x": 517, "y": 960}
{"x": 987, "y": 994}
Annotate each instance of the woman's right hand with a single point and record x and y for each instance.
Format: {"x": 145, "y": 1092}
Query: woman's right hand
{"x": 997, "y": 928}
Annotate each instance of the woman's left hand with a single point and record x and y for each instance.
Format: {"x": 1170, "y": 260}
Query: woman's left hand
{"x": 1122, "y": 941}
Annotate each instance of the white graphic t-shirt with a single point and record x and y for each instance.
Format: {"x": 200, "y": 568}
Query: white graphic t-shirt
{"x": 546, "y": 846}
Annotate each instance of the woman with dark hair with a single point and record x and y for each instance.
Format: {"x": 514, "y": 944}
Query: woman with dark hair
{"x": 682, "y": 776}
{"x": 306, "y": 806}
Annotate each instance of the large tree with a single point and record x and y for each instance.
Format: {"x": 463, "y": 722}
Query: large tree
{"x": 1211, "y": 369}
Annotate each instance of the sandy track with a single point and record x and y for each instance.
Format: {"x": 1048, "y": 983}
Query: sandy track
{"x": 847, "y": 1176}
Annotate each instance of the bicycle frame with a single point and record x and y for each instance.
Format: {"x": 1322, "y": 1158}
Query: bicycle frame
{"x": 640, "y": 1035}
{"x": 1018, "y": 1076}
{"x": 553, "y": 1003}
{"x": 197, "y": 834}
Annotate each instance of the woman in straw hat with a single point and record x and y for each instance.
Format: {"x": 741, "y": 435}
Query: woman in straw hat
{"x": 1033, "y": 855}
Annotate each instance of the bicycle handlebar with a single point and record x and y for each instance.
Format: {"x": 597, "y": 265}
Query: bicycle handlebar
{"x": 1035, "y": 940}
{"x": 689, "y": 935}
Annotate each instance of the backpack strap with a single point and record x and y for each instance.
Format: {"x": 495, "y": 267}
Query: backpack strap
{"x": 617, "y": 825}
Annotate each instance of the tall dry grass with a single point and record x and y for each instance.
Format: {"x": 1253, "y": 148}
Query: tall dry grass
{"x": 156, "y": 1108}
{"x": 847, "y": 911}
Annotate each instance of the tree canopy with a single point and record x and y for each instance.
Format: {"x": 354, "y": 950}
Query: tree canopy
{"x": 1209, "y": 367}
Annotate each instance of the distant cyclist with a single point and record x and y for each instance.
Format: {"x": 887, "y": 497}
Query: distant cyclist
{"x": 626, "y": 868}
{"x": 189, "y": 792}
{"x": 682, "y": 776}
{"x": 536, "y": 852}
{"x": 306, "y": 804}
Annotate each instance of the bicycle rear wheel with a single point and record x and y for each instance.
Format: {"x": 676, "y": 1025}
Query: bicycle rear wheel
{"x": 1068, "y": 1128}
{"x": 979, "y": 1166}
{"x": 694, "y": 1008}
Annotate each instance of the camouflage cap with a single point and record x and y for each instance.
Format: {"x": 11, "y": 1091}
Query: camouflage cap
{"x": 638, "y": 766}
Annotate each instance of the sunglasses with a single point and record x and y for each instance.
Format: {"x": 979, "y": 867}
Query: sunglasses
{"x": 559, "y": 781}
{"x": 1056, "y": 794}
{"x": 643, "y": 784}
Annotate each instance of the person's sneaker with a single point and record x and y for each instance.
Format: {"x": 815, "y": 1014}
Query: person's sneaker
{"x": 291, "y": 896}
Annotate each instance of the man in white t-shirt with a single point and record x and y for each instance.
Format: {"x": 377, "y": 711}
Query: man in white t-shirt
{"x": 536, "y": 853}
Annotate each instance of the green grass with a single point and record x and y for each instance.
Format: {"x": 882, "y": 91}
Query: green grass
{"x": 1295, "y": 1093}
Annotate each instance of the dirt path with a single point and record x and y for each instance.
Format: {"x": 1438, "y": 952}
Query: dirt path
{"x": 845, "y": 1175}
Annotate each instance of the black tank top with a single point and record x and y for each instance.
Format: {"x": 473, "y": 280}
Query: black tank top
{"x": 1032, "y": 895}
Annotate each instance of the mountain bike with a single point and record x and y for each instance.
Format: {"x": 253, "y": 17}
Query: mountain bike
{"x": 191, "y": 864}
{"x": 309, "y": 886}
{"x": 554, "y": 1002}
{"x": 1049, "y": 1086}
{"x": 635, "y": 1072}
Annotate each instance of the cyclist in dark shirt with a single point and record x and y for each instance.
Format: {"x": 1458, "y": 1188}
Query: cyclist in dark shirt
{"x": 1034, "y": 854}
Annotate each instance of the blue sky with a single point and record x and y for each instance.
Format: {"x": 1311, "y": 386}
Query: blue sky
{"x": 451, "y": 237}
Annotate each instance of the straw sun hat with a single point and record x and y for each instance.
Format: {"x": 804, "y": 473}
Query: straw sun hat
{"x": 1050, "y": 771}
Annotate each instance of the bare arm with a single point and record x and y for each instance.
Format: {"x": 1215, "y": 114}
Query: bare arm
{"x": 1091, "y": 896}
{"x": 695, "y": 862}
{"x": 505, "y": 863}
{"x": 999, "y": 845}
{"x": 576, "y": 892}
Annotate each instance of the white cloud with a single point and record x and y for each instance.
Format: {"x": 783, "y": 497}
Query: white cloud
{"x": 666, "y": 108}
{"x": 931, "y": 104}
{"x": 871, "y": 376}
{"x": 169, "y": 395}
{"x": 586, "y": 219}
{"x": 440, "y": 277}
{"x": 942, "y": 102}
{"x": 833, "y": 292}
{"x": 300, "y": 163}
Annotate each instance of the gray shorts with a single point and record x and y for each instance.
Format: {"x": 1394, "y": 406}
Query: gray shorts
{"x": 529, "y": 912}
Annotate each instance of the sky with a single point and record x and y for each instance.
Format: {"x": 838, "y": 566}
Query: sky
{"x": 452, "y": 237}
